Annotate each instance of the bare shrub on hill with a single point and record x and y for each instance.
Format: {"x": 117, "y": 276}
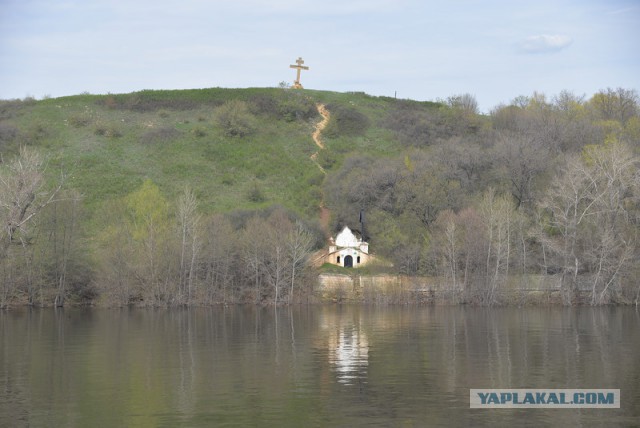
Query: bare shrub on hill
{"x": 81, "y": 120}
{"x": 108, "y": 130}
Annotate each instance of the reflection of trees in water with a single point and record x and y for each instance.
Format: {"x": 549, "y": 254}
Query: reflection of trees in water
{"x": 541, "y": 347}
{"x": 314, "y": 366}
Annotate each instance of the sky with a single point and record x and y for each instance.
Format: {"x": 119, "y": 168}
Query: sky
{"x": 424, "y": 50}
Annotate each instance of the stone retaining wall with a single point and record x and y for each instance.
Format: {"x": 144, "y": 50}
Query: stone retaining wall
{"x": 401, "y": 288}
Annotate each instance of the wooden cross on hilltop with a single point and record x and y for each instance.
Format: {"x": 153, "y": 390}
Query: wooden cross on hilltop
{"x": 298, "y": 67}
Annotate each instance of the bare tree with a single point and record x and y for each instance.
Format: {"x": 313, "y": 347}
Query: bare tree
{"x": 613, "y": 168}
{"x": 588, "y": 219}
{"x": 497, "y": 212}
{"x": 568, "y": 103}
{"x": 22, "y": 194}
{"x": 299, "y": 244}
{"x": 523, "y": 159}
{"x": 465, "y": 102}
{"x": 275, "y": 264}
{"x": 61, "y": 228}
{"x": 221, "y": 253}
{"x": 254, "y": 251}
{"x": 446, "y": 237}
{"x": 190, "y": 243}
{"x": 22, "y": 197}
{"x": 615, "y": 104}
{"x": 568, "y": 203}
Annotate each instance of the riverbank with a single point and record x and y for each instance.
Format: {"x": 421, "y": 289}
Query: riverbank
{"x": 402, "y": 289}
{"x": 391, "y": 289}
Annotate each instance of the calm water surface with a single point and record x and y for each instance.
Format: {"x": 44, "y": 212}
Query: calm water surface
{"x": 310, "y": 366}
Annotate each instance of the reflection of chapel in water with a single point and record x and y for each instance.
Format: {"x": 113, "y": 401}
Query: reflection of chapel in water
{"x": 349, "y": 354}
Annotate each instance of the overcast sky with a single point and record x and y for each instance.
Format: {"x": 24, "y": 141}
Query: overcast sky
{"x": 423, "y": 50}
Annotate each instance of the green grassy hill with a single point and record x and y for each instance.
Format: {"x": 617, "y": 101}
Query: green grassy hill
{"x": 109, "y": 144}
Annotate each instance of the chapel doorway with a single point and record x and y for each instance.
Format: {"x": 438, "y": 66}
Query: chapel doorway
{"x": 348, "y": 261}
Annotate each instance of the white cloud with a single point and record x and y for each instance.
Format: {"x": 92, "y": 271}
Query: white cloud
{"x": 545, "y": 43}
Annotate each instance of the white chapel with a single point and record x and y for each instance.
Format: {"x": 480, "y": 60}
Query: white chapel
{"x": 347, "y": 250}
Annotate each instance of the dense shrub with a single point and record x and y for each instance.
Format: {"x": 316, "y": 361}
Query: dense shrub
{"x": 8, "y": 133}
{"x": 289, "y": 105}
{"x": 327, "y": 159}
{"x": 294, "y": 105}
{"x": 255, "y": 193}
{"x": 421, "y": 125}
{"x": 415, "y": 126}
{"x": 264, "y": 104}
{"x": 346, "y": 122}
{"x": 235, "y": 118}
{"x": 147, "y": 102}
{"x": 81, "y": 120}
{"x": 10, "y": 108}
{"x": 35, "y": 133}
{"x": 200, "y": 132}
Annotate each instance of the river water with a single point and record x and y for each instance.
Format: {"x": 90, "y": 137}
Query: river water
{"x": 310, "y": 365}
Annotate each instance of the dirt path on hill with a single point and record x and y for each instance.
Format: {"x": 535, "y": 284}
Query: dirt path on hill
{"x": 325, "y": 214}
{"x": 321, "y": 125}
{"x": 316, "y": 134}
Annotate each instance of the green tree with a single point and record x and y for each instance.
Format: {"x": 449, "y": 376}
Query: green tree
{"x": 116, "y": 254}
{"x": 135, "y": 248}
{"x": 149, "y": 223}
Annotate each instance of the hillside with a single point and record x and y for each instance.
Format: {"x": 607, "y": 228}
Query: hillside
{"x": 214, "y": 195}
{"x": 108, "y": 145}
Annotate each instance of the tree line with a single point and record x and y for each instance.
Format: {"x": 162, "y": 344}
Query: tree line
{"x": 148, "y": 251}
{"x": 539, "y": 187}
